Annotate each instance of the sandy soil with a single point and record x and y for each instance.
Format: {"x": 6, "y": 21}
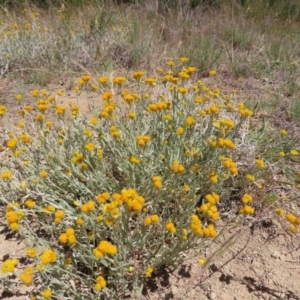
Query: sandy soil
{"x": 263, "y": 264}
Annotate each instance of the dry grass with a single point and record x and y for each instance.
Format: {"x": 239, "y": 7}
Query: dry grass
{"x": 109, "y": 37}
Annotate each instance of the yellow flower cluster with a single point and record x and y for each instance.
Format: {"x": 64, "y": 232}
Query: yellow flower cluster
{"x": 154, "y": 219}
{"x": 244, "y": 111}
{"x": 49, "y": 209}
{"x": 103, "y": 80}
{"x": 157, "y": 182}
{"x": 114, "y": 132}
{"x": 31, "y": 252}
{"x": 246, "y": 198}
{"x": 227, "y": 123}
{"x": 149, "y": 271}
{"x": 133, "y": 200}
{"x": 182, "y": 90}
{"x": 48, "y": 256}
{"x": 279, "y": 211}
{"x": 103, "y": 197}
{"x": 112, "y": 208}
{"x": 220, "y": 142}
{"x": 209, "y": 206}
{"x": 12, "y": 143}
{"x": 109, "y": 108}
{"x": 134, "y": 159}
{"x": 35, "y": 93}
{"x": 100, "y": 283}
{"x": 75, "y": 109}
{"x": 190, "y": 121}
{"x": 88, "y": 133}
{"x": 93, "y": 121}
{"x": 171, "y": 227}
{"x": 184, "y": 234}
{"x": 3, "y": 110}
{"x": 106, "y": 96}
{"x": 211, "y": 110}
{"x": 230, "y": 165}
{"x": 260, "y": 163}
{"x": 43, "y": 173}
{"x": 176, "y": 167}
{"x": 120, "y": 80}
{"x": 13, "y": 216}
{"x": 196, "y": 227}
{"x": 151, "y": 81}
{"x": 250, "y": 177}
{"x": 247, "y": 210}
{"x": 60, "y": 110}
{"x": 39, "y": 118}
{"x": 131, "y": 115}
{"x": 159, "y": 106}
{"x": 129, "y": 97}
{"x": 170, "y": 78}
{"x": 167, "y": 117}
{"x": 25, "y": 138}
{"x": 213, "y": 177}
{"x": 179, "y": 130}
{"x": 79, "y": 221}
{"x": 212, "y": 72}
{"x": 103, "y": 248}
{"x": 184, "y": 75}
{"x": 138, "y": 75}
{"x": 295, "y": 222}
{"x": 68, "y": 236}
{"x": 9, "y": 265}
{"x": 294, "y": 152}
{"x": 77, "y": 158}
{"x": 6, "y": 175}
{"x": 185, "y": 188}
{"x": 86, "y": 78}
{"x": 47, "y": 294}
{"x": 27, "y": 276}
{"x": 142, "y": 140}
{"x": 192, "y": 152}
{"x": 42, "y": 105}
{"x": 88, "y": 207}
{"x": 89, "y": 146}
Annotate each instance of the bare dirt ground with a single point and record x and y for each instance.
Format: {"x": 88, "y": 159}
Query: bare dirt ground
{"x": 263, "y": 264}
{"x": 11, "y": 246}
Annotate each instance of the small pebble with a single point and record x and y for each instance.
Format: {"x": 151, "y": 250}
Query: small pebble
{"x": 276, "y": 255}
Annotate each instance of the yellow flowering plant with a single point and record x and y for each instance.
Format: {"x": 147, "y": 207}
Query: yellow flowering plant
{"x": 106, "y": 200}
